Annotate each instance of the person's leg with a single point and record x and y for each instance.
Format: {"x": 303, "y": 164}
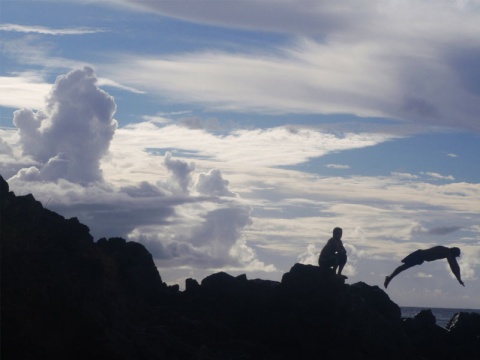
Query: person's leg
{"x": 335, "y": 263}
{"x": 342, "y": 260}
{"x": 397, "y": 271}
{"x": 326, "y": 264}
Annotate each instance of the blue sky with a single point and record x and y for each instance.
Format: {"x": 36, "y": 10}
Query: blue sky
{"x": 235, "y": 135}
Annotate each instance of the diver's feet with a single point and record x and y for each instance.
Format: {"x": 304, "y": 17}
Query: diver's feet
{"x": 387, "y": 281}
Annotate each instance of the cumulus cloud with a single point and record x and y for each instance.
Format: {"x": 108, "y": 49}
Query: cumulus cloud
{"x": 469, "y": 263}
{"x": 206, "y": 233}
{"x": 185, "y": 219}
{"x": 181, "y": 173}
{"x": 72, "y": 134}
{"x": 212, "y": 183}
{"x": 142, "y": 190}
{"x": 310, "y": 256}
{"x": 5, "y": 149}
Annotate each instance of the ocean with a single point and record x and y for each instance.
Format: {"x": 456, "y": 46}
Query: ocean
{"x": 442, "y": 315}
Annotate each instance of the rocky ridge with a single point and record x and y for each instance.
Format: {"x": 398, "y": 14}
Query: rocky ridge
{"x": 64, "y": 296}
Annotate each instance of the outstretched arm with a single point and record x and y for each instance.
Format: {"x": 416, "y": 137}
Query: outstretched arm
{"x": 455, "y": 269}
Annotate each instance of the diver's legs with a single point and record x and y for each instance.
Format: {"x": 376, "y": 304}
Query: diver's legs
{"x": 397, "y": 271}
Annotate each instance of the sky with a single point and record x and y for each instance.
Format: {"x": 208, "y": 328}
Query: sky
{"x": 235, "y": 135}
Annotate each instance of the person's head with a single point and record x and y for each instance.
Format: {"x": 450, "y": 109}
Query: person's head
{"x": 337, "y": 232}
{"x": 455, "y": 251}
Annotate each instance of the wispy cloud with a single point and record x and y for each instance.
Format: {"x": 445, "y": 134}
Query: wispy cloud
{"x": 114, "y": 84}
{"x": 423, "y": 275}
{"x": 328, "y": 76}
{"x": 278, "y": 146}
{"x": 437, "y": 176}
{"x": 49, "y": 31}
{"x": 438, "y": 230}
{"x": 404, "y": 175}
{"x": 338, "y": 166}
{"x": 26, "y": 90}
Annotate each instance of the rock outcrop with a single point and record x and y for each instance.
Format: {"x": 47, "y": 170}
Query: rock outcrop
{"x": 64, "y": 296}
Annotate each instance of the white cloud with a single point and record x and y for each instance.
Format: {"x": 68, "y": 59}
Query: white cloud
{"x": 438, "y": 176}
{"x": 25, "y": 90}
{"x": 374, "y": 46}
{"x": 34, "y": 51}
{"x": 310, "y": 256}
{"x": 310, "y": 78}
{"x": 338, "y": 166}
{"x": 212, "y": 183}
{"x": 404, "y": 175}
{"x": 114, "y": 84}
{"x": 69, "y": 138}
{"x": 423, "y": 275}
{"x": 71, "y": 135}
{"x": 48, "y": 31}
{"x": 268, "y": 147}
{"x": 469, "y": 262}
{"x": 336, "y": 52}
{"x": 181, "y": 173}
{"x": 349, "y": 18}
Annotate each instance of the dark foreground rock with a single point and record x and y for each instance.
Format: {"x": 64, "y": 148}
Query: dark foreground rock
{"x": 64, "y": 296}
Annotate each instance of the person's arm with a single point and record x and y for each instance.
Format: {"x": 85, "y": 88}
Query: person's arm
{"x": 455, "y": 269}
{"x": 340, "y": 249}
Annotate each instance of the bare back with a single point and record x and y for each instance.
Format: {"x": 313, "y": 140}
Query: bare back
{"x": 436, "y": 253}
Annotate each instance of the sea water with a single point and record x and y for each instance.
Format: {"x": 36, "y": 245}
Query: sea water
{"x": 442, "y": 315}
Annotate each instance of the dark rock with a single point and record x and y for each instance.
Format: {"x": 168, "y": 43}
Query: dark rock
{"x": 465, "y": 334}
{"x": 425, "y": 319}
{"x": 191, "y": 284}
{"x": 376, "y": 298}
{"x": 465, "y": 325}
{"x": 64, "y": 296}
{"x": 309, "y": 278}
{"x": 426, "y": 335}
{"x": 135, "y": 270}
{"x": 220, "y": 281}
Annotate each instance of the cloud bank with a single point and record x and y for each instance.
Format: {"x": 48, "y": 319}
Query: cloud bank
{"x": 413, "y": 60}
{"x": 185, "y": 219}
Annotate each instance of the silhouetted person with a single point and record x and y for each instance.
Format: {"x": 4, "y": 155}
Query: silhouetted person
{"x": 434, "y": 253}
{"x": 333, "y": 254}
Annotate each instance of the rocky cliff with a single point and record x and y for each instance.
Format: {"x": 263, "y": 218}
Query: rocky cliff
{"x": 64, "y": 296}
